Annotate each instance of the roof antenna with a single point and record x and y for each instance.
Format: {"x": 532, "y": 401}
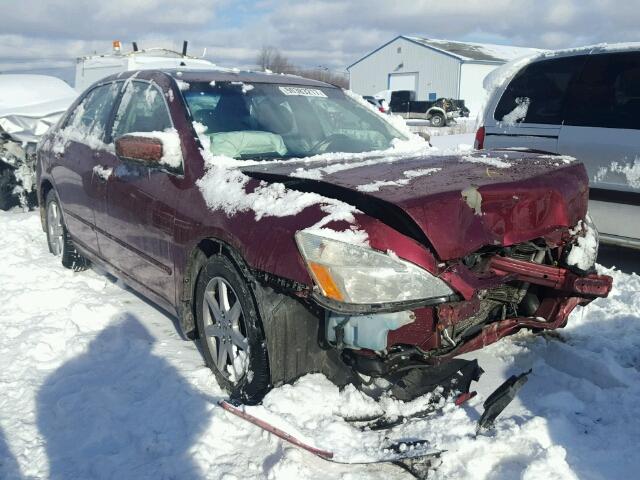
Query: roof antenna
{"x": 184, "y": 48}
{"x": 135, "y": 46}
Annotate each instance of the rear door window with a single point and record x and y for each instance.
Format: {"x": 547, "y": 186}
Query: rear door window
{"x": 537, "y": 93}
{"x": 142, "y": 109}
{"x": 91, "y": 117}
{"x": 607, "y": 92}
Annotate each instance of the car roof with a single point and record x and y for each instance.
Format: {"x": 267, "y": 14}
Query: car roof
{"x": 222, "y": 75}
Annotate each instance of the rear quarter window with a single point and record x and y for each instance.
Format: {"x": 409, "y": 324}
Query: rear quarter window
{"x": 537, "y": 93}
{"x": 607, "y": 92}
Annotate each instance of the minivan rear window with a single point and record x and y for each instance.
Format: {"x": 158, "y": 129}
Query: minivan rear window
{"x": 607, "y": 92}
{"x": 537, "y": 93}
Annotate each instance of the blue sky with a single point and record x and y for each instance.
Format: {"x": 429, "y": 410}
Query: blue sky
{"x": 48, "y": 36}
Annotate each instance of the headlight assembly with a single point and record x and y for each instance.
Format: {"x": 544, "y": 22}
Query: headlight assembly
{"x": 360, "y": 275}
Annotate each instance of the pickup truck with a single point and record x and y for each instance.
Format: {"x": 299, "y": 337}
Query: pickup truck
{"x": 438, "y": 112}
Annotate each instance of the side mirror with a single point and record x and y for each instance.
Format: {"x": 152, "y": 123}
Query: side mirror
{"x": 139, "y": 148}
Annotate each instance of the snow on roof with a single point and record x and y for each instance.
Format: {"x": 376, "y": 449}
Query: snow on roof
{"x": 18, "y": 92}
{"x": 505, "y": 72}
{"x": 467, "y": 51}
{"x": 30, "y": 104}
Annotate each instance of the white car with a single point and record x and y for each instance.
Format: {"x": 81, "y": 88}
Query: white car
{"x": 29, "y": 105}
{"x": 584, "y": 103}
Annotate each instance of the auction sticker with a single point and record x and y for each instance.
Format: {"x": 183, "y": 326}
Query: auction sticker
{"x": 304, "y": 92}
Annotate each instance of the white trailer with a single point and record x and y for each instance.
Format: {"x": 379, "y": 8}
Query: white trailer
{"x": 92, "y": 68}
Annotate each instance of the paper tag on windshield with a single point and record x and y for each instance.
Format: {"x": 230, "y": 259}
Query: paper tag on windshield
{"x": 304, "y": 92}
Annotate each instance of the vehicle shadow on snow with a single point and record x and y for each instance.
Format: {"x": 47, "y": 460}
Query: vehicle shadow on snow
{"x": 119, "y": 411}
{"x": 9, "y": 468}
{"x": 172, "y": 319}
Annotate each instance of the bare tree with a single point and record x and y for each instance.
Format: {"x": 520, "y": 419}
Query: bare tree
{"x": 323, "y": 74}
{"x": 270, "y": 58}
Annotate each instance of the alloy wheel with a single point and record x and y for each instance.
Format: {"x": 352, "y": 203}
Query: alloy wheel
{"x": 55, "y": 229}
{"x": 224, "y": 329}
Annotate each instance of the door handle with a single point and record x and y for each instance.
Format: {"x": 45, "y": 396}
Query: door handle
{"x": 103, "y": 173}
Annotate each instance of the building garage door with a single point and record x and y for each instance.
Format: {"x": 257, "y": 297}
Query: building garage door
{"x": 403, "y": 81}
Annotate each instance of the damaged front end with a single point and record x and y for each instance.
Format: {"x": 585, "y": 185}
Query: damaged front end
{"x": 396, "y": 322}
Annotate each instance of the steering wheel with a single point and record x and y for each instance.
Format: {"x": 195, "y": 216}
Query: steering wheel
{"x": 323, "y": 145}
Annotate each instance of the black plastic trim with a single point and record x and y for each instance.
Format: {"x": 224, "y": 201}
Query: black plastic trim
{"x": 519, "y": 135}
{"x": 364, "y": 309}
{"x": 614, "y": 196}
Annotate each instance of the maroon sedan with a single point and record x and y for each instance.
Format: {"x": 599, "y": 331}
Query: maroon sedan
{"x": 279, "y": 219}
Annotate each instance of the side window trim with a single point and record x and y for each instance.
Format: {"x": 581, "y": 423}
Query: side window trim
{"x": 108, "y": 139}
{"x": 179, "y": 172}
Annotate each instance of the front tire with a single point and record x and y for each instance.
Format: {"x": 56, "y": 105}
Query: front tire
{"x": 60, "y": 244}
{"x": 230, "y": 331}
{"x": 438, "y": 120}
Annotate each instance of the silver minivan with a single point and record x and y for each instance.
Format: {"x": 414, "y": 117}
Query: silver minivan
{"x": 584, "y": 103}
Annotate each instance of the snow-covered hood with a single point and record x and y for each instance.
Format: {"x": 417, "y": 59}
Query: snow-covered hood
{"x": 30, "y": 104}
{"x": 460, "y": 203}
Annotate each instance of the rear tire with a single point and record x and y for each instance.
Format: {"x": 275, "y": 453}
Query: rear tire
{"x": 230, "y": 331}
{"x": 60, "y": 244}
{"x": 437, "y": 120}
{"x": 8, "y": 199}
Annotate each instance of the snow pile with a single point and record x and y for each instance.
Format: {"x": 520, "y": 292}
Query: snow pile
{"x": 225, "y": 189}
{"x": 494, "y": 162}
{"x": 518, "y": 114}
{"x": 630, "y": 172}
{"x": 182, "y": 85}
{"x": 338, "y": 162}
{"x": 408, "y": 176}
{"x": 102, "y": 172}
{"x": 583, "y": 254}
{"x": 171, "y": 147}
{"x": 97, "y": 383}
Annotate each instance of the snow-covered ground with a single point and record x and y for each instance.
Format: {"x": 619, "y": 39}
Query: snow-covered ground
{"x": 456, "y": 127}
{"x": 95, "y": 383}
{"x": 460, "y": 141}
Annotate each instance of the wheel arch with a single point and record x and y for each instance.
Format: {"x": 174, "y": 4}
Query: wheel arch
{"x": 197, "y": 257}
{"x": 292, "y": 328}
{"x": 435, "y": 110}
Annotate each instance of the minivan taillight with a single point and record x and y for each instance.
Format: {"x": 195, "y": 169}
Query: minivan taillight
{"x": 479, "y": 143}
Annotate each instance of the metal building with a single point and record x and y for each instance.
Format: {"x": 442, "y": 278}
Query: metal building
{"x": 432, "y": 68}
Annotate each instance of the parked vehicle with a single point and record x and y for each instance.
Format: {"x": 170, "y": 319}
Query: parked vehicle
{"x": 584, "y": 103}
{"x": 29, "y": 105}
{"x": 201, "y": 190}
{"x": 379, "y": 103}
{"x": 91, "y": 68}
{"x": 439, "y": 112}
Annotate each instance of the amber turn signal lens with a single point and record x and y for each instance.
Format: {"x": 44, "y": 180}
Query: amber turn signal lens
{"x": 325, "y": 282}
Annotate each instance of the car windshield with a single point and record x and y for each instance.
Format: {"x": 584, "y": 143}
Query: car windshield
{"x": 267, "y": 121}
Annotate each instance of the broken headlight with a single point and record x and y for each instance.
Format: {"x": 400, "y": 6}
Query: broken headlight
{"x": 360, "y": 275}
